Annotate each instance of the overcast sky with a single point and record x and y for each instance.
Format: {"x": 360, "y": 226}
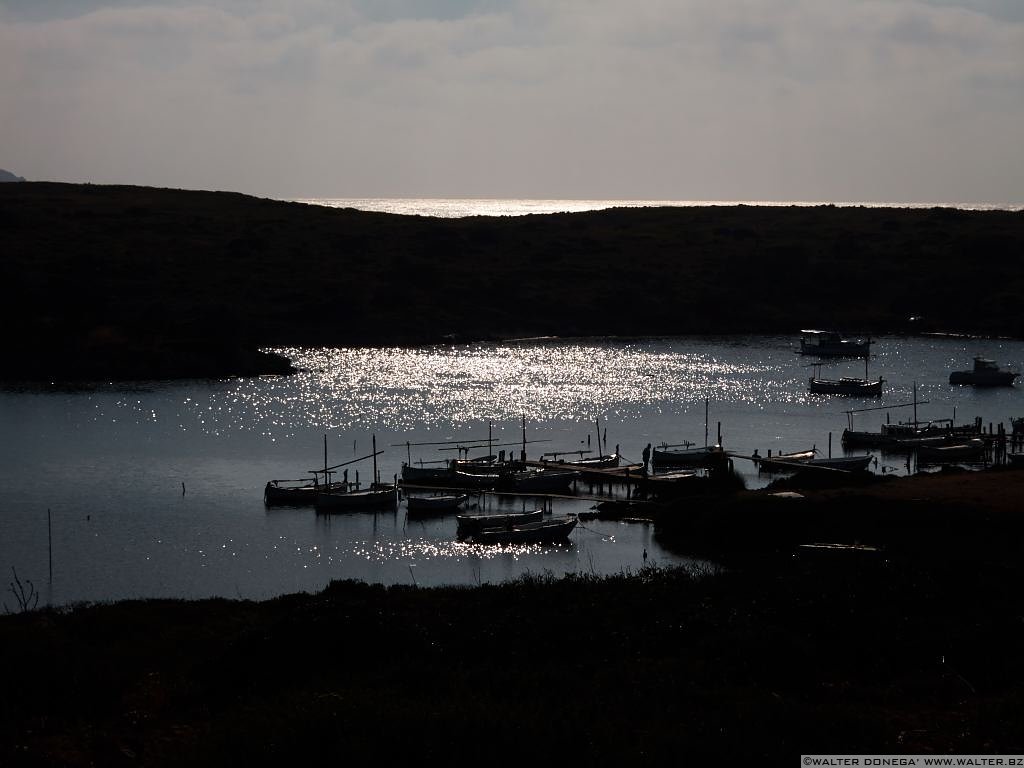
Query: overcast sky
{"x": 843, "y": 100}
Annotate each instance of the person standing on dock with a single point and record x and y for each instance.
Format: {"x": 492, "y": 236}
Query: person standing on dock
{"x": 647, "y": 457}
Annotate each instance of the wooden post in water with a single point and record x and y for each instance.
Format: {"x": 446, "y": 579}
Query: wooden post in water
{"x": 522, "y": 456}
{"x": 706, "y": 422}
{"x": 719, "y": 433}
{"x": 830, "y": 445}
{"x": 49, "y": 540}
{"x": 375, "y": 479}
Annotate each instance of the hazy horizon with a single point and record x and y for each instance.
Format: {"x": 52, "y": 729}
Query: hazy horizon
{"x": 878, "y": 101}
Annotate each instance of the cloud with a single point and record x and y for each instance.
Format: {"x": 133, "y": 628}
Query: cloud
{"x": 704, "y": 99}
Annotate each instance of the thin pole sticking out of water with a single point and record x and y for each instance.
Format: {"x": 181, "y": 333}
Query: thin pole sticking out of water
{"x": 706, "y": 421}
{"x": 49, "y": 540}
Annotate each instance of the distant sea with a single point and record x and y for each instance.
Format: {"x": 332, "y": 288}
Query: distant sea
{"x": 453, "y": 208}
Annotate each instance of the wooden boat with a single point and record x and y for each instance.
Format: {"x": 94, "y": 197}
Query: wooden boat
{"x": 426, "y": 475}
{"x": 781, "y": 462}
{"x": 845, "y": 463}
{"x": 801, "y": 461}
{"x": 434, "y": 504}
{"x": 608, "y": 461}
{"x": 682, "y": 455}
{"x": 536, "y": 480}
{"x": 972, "y": 450}
{"x": 986, "y": 373}
{"x": 832, "y": 344}
{"x": 468, "y": 524}
{"x": 281, "y": 493}
{"x": 550, "y": 531}
{"x": 354, "y": 501}
{"x": 846, "y": 386}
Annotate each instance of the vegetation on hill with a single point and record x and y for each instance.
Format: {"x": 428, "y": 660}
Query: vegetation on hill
{"x": 110, "y": 281}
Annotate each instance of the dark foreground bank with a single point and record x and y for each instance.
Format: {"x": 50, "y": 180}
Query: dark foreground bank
{"x": 135, "y": 282}
{"x": 792, "y": 651}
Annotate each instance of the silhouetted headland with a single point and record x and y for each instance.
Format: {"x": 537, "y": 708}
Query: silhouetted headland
{"x": 116, "y": 282}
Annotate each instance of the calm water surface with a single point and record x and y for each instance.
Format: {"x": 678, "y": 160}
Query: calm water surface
{"x": 111, "y": 463}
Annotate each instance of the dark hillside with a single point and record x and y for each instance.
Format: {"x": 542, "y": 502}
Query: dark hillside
{"x": 127, "y": 281}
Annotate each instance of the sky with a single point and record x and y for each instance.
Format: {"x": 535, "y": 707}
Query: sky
{"x": 912, "y": 101}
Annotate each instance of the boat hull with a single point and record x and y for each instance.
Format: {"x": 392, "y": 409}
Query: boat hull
{"x": 470, "y": 524}
{"x": 355, "y": 501}
{"x": 983, "y": 379}
{"x": 845, "y": 387}
{"x": 544, "y": 532}
{"x": 690, "y": 457}
{"x": 435, "y": 504}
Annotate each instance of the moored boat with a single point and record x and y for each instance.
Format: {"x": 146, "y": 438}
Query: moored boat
{"x": 969, "y": 451}
{"x": 471, "y": 523}
{"x": 435, "y": 504}
{"x": 846, "y": 386}
{"x": 682, "y": 455}
{"x": 354, "y": 501}
{"x": 800, "y": 461}
{"x": 986, "y": 373}
{"x": 541, "y": 532}
{"x": 536, "y": 480}
{"x": 832, "y": 344}
{"x": 281, "y": 493}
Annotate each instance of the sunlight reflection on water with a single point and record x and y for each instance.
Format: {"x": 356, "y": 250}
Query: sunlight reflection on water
{"x": 406, "y": 388}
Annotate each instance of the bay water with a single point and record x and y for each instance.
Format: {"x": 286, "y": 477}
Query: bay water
{"x": 155, "y": 489}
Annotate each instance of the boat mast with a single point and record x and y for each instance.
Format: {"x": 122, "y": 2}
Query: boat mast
{"x": 375, "y": 478}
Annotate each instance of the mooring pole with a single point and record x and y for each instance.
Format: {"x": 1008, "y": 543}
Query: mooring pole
{"x": 49, "y": 538}
{"x": 706, "y": 422}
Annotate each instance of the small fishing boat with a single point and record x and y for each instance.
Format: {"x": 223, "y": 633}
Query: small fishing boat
{"x": 608, "y": 461}
{"x": 781, "y": 462}
{"x": 969, "y": 451}
{"x": 846, "y": 386}
{"x": 469, "y": 523}
{"x": 799, "y": 461}
{"x": 376, "y": 498}
{"x": 550, "y": 531}
{"x": 832, "y": 344}
{"x": 536, "y": 480}
{"x": 435, "y": 504}
{"x": 282, "y": 493}
{"x": 412, "y": 475}
{"x": 682, "y": 455}
{"x": 986, "y": 373}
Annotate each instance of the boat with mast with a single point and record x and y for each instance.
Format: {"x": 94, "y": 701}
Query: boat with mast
{"x": 304, "y": 491}
{"x": 905, "y": 436}
{"x": 687, "y": 454}
{"x": 378, "y": 496}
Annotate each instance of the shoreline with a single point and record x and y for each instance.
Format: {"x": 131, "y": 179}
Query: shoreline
{"x": 908, "y": 649}
{"x": 110, "y": 282}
